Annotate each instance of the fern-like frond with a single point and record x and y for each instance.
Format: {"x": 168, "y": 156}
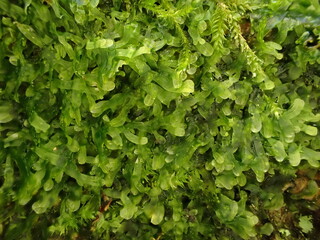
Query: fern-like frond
{"x": 219, "y": 28}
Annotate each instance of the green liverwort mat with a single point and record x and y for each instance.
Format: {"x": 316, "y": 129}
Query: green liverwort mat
{"x": 159, "y": 119}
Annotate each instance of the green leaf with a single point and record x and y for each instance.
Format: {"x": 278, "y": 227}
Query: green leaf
{"x": 38, "y": 123}
{"x": 135, "y": 139}
{"x": 287, "y": 129}
{"x": 30, "y": 187}
{"x": 227, "y": 181}
{"x": 6, "y": 114}
{"x": 267, "y": 229}
{"x": 294, "y": 155}
{"x": 187, "y": 87}
{"x": 310, "y": 130}
{"x": 82, "y": 157}
{"x": 129, "y": 208}
{"x": 312, "y": 156}
{"x": 72, "y": 144}
{"x": 46, "y": 201}
{"x": 31, "y": 34}
{"x": 206, "y": 49}
{"x": 305, "y": 224}
{"x": 256, "y": 124}
{"x": 72, "y": 205}
{"x": 227, "y": 209}
{"x": 12, "y": 9}
{"x": 158, "y": 161}
{"x": 267, "y": 127}
{"x": 295, "y": 109}
{"x": 48, "y": 185}
{"x": 244, "y": 225}
{"x": 271, "y": 48}
{"x": 273, "y": 200}
{"x": 157, "y": 214}
{"x": 277, "y": 150}
{"x": 116, "y": 101}
{"x": 48, "y": 155}
{"x": 157, "y": 119}
{"x": 99, "y": 43}
{"x": 155, "y": 210}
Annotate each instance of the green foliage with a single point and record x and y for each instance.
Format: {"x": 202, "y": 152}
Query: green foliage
{"x": 169, "y": 119}
{"x": 305, "y": 224}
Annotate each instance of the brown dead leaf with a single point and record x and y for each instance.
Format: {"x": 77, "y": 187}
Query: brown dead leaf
{"x": 299, "y": 184}
{"x": 317, "y": 176}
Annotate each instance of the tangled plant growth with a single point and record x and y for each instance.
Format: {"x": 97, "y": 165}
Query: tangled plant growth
{"x": 159, "y": 119}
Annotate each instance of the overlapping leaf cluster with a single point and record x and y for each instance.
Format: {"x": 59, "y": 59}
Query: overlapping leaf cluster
{"x": 171, "y": 119}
